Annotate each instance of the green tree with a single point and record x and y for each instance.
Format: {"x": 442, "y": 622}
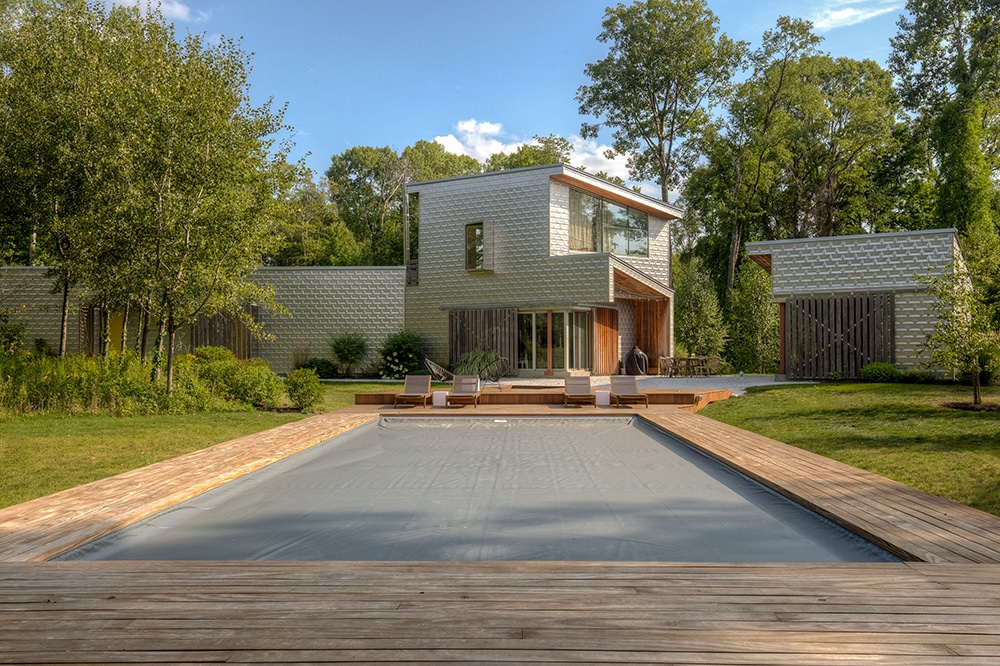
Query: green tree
{"x": 428, "y": 160}
{"x": 946, "y": 57}
{"x": 367, "y": 184}
{"x": 745, "y": 147}
{"x": 698, "y": 324}
{"x": 753, "y": 344}
{"x": 965, "y": 337}
{"x": 550, "y": 149}
{"x": 154, "y": 180}
{"x": 666, "y": 66}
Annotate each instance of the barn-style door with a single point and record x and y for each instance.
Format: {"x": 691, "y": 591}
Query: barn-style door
{"x": 838, "y": 334}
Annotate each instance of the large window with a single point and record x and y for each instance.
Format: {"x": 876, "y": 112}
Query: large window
{"x": 599, "y": 225}
{"x": 570, "y": 340}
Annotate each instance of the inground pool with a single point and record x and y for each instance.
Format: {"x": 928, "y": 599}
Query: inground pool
{"x": 413, "y": 488}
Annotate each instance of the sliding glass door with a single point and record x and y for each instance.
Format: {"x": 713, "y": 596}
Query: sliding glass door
{"x": 553, "y": 340}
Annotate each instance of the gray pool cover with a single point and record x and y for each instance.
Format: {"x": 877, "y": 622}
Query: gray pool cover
{"x": 491, "y": 489}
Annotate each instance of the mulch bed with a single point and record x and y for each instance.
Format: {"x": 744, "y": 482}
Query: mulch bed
{"x": 968, "y": 406}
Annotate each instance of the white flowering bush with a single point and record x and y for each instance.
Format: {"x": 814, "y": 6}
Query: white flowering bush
{"x": 401, "y": 355}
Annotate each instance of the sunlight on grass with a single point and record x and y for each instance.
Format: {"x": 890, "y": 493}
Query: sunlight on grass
{"x": 45, "y": 453}
{"x": 897, "y": 430}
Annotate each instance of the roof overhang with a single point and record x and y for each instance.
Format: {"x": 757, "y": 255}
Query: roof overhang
{"x": 604, "y": 188}
{"x": 633, "y": 284}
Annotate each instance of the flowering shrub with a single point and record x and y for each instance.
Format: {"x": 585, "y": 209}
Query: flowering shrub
{"x": 401, "y": 354}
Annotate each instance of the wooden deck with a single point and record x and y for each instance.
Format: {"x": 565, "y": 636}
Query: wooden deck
{"x": 941, "y": 608}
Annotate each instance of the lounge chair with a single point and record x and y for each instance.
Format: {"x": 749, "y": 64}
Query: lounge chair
{"x": 624, "y": 390}
{"x": 464, "y": 390}
{"x": 416, "y": 389}
{"x": 578, "y": 392}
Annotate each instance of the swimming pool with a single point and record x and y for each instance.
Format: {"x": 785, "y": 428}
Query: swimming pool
{"x": 412, "y": 488}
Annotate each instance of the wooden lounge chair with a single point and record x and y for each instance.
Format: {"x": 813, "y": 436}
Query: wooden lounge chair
{"x": 624, "y": 390}
{"x": 416, "y": 389}
{"x": 578, "y": 392}
{"x": 464, "y": 390}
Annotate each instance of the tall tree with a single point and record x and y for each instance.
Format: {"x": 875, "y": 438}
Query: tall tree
{"x": 946, "y": 56}
{"x": 366, "y": 184}
{"x": 743, "y": 150}
{"x": 667, "y": 64}
{"x": 699, "y": 326}
{"x": 429, "y": 160}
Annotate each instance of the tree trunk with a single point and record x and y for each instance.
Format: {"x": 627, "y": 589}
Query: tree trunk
{"x": 161, "y": 334}
{"x": 977, "y": 395}
{"x": 171, "y": 334}
{"x": 105, "y": 331}
{"x": 124, "y": 344}
{"x": 734, "y": 253}
{"x": 64, "y": 328}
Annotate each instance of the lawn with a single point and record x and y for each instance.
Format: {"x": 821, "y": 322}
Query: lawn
{"x": 44, "y": 453}
{"x": 900, "y": 431}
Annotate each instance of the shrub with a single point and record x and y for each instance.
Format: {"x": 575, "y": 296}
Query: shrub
{"x": 11, "y": 338}
{"x": 303, "y": 388}
{"x": 485, "y": 363}
{"x": 250, "y": 382}
{"x": 348, "y": 350}
{"x": 917, "y": 376}
{"x": 401, "y": 354}
{"x": 880, "y": 373}
{"x": 835, "y": 376}
{"x": 325, "y": 368}
{"x": 213, "y": 354}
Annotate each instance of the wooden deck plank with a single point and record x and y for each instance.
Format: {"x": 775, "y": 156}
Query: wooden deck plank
{"x": 121, "y": 612}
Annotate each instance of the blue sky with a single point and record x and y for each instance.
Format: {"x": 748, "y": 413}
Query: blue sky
{"x": 478, "y": 76}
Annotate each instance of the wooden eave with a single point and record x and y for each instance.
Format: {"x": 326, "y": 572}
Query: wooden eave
{"x": 614, "y": 193}
{"x": 630, "y": 284}
{"x": 762, "y": 260}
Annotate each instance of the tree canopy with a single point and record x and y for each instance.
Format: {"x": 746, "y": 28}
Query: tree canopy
{"x": 136, "y": 162}
{"x": 667, "y": 65}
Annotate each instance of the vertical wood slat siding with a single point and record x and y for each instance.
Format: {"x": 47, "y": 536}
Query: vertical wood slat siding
{"x": 469, "y": 330}
{"x": 605, "y": 341}
{"x": 651, "y": 324}
{"x": 221, "y": 330}
{"x": 839, "y": 334}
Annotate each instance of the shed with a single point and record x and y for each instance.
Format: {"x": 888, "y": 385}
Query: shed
{"x": 847, "y": 301}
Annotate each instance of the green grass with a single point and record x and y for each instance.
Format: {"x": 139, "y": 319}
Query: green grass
{"x": 896, "y": 430}
{"x": 44, "y": 453}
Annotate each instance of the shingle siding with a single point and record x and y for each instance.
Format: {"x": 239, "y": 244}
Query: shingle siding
{"x": 324, "y": 302}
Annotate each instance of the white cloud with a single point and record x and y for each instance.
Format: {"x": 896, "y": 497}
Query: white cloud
{"x": 851, "y": 12}
{"x": 479, "y": 140}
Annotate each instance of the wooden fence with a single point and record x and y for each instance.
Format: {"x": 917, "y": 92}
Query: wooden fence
{"x": 496, "y": 329}
{"x": 838, "y": 334}
{"x": 223, "y": 330}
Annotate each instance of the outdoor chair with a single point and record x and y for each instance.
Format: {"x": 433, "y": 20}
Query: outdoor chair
{"x": 624, "y": 390}
{"x": 416, "y": 389}
{"x": 437, "y": 372}
{"x": 464, "y": 390}
{"x": 578, "y": 392}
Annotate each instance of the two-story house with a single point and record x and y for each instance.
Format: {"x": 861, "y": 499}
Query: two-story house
{"x": 559, "y": 270}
